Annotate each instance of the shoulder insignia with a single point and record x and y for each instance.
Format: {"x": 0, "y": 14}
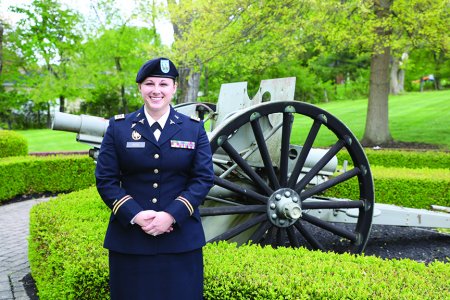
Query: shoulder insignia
{"x": 195, "y": 118}
{"x": 119, "y": 117}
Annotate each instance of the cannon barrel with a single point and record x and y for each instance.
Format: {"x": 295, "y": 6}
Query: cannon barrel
{"x": 90, "y": 129}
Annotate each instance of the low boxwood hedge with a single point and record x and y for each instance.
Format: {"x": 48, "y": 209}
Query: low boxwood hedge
{"x": 12, "y": 144}
{"x": 68, "y": 262}
{"x": 415, "y": 188}
{"x": 54, "y": 174}
{"x": 403, "y": 158}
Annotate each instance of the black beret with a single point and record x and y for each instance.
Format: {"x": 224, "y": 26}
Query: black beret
{"x": 158, "y": 67}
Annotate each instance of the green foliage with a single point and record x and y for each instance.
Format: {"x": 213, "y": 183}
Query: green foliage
{"x": 49, "y": 35}
{"x": 12, "y": 144}
{"x": 402, "y": 187}
{"x": 56, "y": 174}
{"x": 109, "y": 65}
{"x": 65, "y": 247}
{"x": 286, "y": 273}
{"x": 403, "y": 158}
{"x": 68, "y": 262}
{"x": 403, "y": 178}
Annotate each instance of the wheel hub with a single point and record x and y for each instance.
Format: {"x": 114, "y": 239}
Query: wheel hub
{"x": 283, "y": 207}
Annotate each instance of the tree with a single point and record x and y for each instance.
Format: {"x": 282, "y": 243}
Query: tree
{"x": 112, "y": 54}
{"x": 255, "y": 35}
{"x": 48, "y": 35}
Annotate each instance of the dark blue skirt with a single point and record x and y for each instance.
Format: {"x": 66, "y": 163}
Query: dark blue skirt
{"x": 156, "y": 277}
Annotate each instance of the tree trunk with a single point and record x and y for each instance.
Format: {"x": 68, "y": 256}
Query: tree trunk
{"x": 62, "y": 103}
{"x": 189, "y": 85}
{"x": 49, "y": 117}
{"x": 402, "y": 72}
{"x": 377, "y": 120}
{"x": 124, "y": 99}
{"x": 394, "y": 76}
{"x": 401, "y": 80}
{"x": 1, "y": 47}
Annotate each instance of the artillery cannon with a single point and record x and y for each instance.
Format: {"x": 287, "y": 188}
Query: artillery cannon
{"x": 272, "y": 186}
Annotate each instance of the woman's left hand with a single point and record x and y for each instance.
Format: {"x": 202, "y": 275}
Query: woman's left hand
{"x": 162, "y": 223}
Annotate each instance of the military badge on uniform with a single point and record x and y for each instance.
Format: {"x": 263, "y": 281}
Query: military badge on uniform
{"x": 182, "y": 144}
{"x": 135, "y": 144}
{"x": 119, "y": 117}
{"x": 165, "y": 67}
{"x": 141, "y": 121}
{"x": 135, "y": 135}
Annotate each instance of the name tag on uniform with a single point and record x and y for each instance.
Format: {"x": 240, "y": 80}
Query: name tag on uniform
{"x": 182, "y": 144}
{"x": 135, "y": 144}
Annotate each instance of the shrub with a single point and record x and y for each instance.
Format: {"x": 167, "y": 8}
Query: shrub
{"x": 68, "y": 262}
{"x": 415, "y": 188}
{"x": 403, "y": 158}
{"x": 12, "y": 144}
{"x": 55, "y": 174}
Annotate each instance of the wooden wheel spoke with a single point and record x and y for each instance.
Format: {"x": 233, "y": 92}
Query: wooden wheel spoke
{"x": 281, "y": 237}
{"x": 259, "y": 233}
{"x": 234, "y": 155}
{"x": 293, "y": 240}
{"x": 236, "y": 230}
{"x": 326, "y": 204}
{"x": 231, "y": 210}
{"x": 319, "y": 165}
{"x": 304, "y": 152}
{"x": 330, "y": 227}
{"x": 239, "y": 189}
{"x": 285, "y": 142}
{"x": 265, "y": 155}
{"x": 309, "y": 237}
{"x": 317, "y": 189}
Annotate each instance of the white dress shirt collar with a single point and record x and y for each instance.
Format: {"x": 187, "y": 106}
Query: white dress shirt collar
{"x": 162, "y": 121}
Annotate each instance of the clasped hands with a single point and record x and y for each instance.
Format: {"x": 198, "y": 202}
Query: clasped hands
{"x": 154, "y": 222}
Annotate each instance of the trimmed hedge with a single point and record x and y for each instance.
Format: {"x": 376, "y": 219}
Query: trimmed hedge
{"x": 12, "y": 144}
{"x": 415, "y": 188}
{"x": 403, "y": 158}
{"x": 402, "y": 187}
{"x": 68, "y": 262}
{"x": 55, "y": 174}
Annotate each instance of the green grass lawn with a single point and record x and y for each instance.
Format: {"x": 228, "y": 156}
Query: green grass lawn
{"x": 414, "y": 117}
{"x": 46, "y": 140}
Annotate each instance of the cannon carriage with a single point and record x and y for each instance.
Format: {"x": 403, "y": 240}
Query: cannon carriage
{"x": 273, "y": 185}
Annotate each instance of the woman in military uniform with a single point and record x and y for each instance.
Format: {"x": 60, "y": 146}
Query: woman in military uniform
{"x": 153, "y": 171}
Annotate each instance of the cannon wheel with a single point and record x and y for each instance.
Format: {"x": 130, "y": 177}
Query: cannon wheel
{"x": 272, "y": 205}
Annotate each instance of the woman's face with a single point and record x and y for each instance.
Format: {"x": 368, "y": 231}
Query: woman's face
{"x": 157, "y": 93}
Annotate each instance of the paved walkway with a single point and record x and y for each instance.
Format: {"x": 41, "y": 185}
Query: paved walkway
{"x": 14, "y": 266}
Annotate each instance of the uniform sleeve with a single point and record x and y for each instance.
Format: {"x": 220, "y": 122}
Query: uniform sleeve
{"x": 107, "y": 174}
{"x": 199, "y": 184}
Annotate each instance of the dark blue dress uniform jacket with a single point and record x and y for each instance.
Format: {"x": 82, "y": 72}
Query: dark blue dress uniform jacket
{"x": 135, "y": 172}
